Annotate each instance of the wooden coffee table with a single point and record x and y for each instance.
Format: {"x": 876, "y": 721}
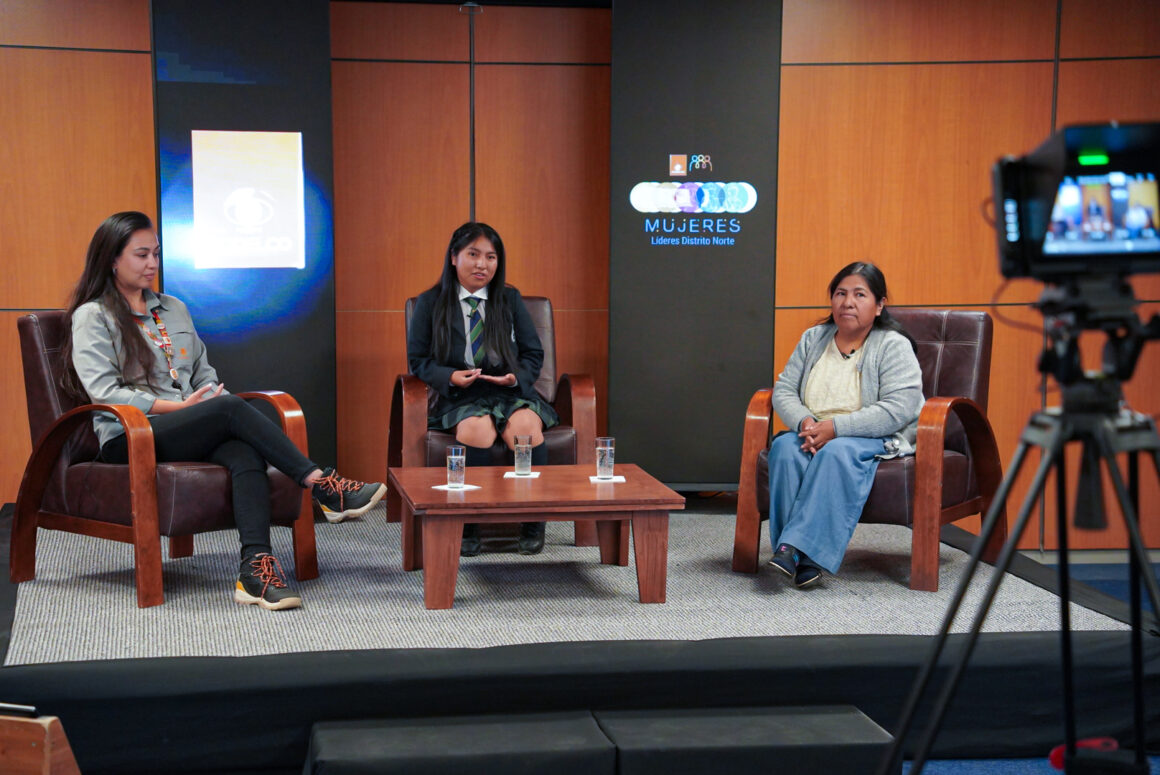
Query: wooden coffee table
{"x": 433, "y": 519}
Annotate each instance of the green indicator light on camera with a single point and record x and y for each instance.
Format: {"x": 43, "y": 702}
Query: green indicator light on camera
{"x": 1093, "y": 159}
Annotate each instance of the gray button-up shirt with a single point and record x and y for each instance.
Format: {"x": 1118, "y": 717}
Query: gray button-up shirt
{"x": 99, "y": 359}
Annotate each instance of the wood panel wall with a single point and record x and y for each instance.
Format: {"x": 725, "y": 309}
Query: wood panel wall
{"x": 405, "y": 96}
{"x": 76, "y": 144}
{"x": 892, "y": 113}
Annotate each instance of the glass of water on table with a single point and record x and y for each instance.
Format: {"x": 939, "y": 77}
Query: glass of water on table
{"x": 605, "y": 456}
{"x": 523, "y": 455}
{"x": 456, "y": 466}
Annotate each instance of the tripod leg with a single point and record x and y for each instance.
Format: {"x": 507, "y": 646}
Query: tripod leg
{"x": 1137, "y": 620}
{"x": 1136, "y": 543}
{"x": 1064, "y": 576}
{"x": 1139, "y": 570}
{"x": 893, "y": 758}
{"x": 1054, "y": 456}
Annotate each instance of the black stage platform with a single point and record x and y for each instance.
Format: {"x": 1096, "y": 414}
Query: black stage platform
{"x": 254, "y": 714}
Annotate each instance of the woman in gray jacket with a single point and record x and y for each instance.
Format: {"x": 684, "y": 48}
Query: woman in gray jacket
{"x": 851, "y": 393}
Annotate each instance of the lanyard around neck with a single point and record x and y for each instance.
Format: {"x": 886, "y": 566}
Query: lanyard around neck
{"x": 164, "y": 343}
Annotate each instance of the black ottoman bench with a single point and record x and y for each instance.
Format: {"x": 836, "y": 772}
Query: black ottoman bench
{"x": 814, "y": 740}
{"x": 568, "y": 743}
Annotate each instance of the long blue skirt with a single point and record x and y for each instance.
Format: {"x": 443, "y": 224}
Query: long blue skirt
{"x": 815, "y": 499}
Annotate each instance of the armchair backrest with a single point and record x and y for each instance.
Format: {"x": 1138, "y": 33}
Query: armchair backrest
{"x": 954, "y": 352}
{"x": 540, "y": 309}
{"x": 41, "y": 337}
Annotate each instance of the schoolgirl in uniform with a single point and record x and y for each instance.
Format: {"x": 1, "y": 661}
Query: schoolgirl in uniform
{"x": 472, "y": 340}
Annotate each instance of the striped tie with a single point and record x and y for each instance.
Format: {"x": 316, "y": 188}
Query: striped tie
{"x": 475, "y": 324}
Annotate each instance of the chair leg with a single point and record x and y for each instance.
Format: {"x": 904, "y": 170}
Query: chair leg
{"x": 148, "y": 563}
{"x": 305, "y": 547}
{"x": 746, "y": 539}
{"x": 924, "y": 554}
{"x": 180, "y": 546}
{"x": 22, "y": 546}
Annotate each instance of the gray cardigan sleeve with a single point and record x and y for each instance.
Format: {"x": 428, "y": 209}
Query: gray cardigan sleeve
{"x": 787, "y": 390}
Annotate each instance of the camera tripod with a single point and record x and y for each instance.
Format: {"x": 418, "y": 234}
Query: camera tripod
{"x": 1091, "y": 415}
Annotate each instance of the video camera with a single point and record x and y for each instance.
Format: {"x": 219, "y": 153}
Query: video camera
{"x": 1082, "y": 212}
{"x": 1085, "y": 202}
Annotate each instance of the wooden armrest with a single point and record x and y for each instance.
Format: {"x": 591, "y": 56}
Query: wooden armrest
{"x": 930, "y": 446}
{"x": 142, "y": 494}
{"x": 576, "y": 405}
{"x": 289, "y": 413}
{"x": 46, "y": 451}
{"x": 36, "y": 745}
{"x": 755, "y": 438}
{"x": 408, "y": 427}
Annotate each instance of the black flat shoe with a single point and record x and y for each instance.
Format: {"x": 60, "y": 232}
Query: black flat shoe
{"x": 531, "y": 537}
{"x": 471, "y": 545}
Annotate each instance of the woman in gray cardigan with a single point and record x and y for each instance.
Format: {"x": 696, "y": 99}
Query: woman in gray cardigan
{"x": 851, "y": 393}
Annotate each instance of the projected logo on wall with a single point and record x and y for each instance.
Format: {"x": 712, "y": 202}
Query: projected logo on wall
{"x": 692, "y": 198}
{"x": 240, "y": 216}
{"x": 248, "y": 205}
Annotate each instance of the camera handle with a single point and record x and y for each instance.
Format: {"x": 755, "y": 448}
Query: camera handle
{"x": 1103, "y": 434}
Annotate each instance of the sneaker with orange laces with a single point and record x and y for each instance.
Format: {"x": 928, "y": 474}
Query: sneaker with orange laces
{"x": 260, "y": 582}
{"x": 341, "y": 498}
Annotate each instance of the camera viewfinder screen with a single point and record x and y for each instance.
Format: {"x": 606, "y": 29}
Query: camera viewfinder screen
{"x": 1113, "y": 212}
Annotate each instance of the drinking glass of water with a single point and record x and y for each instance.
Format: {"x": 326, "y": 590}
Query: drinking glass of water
{"x": 456, "y": 466}
{"x": 605, "y": 456}
{"x": 523, "y": 455}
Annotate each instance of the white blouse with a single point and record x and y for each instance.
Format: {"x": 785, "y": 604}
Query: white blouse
{"x": 835, "y": 384}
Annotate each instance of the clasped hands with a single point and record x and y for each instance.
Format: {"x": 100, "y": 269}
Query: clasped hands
{"x": 814, "y": 434}
{"x": 465, "y": 377}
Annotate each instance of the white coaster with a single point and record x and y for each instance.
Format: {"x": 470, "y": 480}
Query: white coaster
{"x": 597, "y": 480}
{"x": 455, "y": 489}
{"x": 514, "y": 475}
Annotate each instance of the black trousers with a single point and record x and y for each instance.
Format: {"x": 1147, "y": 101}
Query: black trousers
{"x": 229, "y": 432}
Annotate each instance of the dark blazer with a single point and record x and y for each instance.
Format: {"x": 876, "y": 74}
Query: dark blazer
{"x": 425, "y": 364}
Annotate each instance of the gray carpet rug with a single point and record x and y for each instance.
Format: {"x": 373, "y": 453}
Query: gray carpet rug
{"x": 82, "y": 604}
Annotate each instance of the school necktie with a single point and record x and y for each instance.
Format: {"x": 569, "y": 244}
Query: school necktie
{"x": 475, "y": 330}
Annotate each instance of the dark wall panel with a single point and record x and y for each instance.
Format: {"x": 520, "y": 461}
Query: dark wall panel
{"x": 691, "y": 284}
{"x": 249, "y": 245}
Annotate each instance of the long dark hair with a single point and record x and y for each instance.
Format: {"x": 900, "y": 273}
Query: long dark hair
{"x": 448, "y": 314}
{"x": 97, "y": 284}
{"x": 876, "y": 283}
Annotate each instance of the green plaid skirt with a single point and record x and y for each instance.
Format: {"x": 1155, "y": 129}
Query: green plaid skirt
{"x": 499, "y": 408}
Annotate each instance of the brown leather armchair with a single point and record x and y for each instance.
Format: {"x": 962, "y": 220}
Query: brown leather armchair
{"x": 66, "y": 488}
{"x": 411, "y": 443}
{"x": 955, "y": 470}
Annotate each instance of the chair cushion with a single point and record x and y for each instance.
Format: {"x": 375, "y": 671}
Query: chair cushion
{"x": 191, "y": 497}
{"x": 892, "y": 496}
{"x": 561, "y": 441}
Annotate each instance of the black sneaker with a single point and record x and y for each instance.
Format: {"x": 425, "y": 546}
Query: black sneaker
{"x": 785, "y": 559}
{"x": 807, "y": 576}
{"x": 341, "y": 498}
{"x": 471, "y": 544}
{"x": 531, "y": 537}
{"x": 260, "y": 582}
